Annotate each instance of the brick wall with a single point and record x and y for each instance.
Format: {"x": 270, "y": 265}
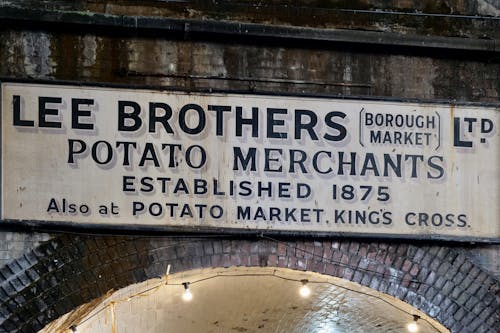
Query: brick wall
{"x": 15, "y": 244}
{"x": 206, "y": 65}
{"x": 46, "y": 276}
{"x": 69, "y": 270}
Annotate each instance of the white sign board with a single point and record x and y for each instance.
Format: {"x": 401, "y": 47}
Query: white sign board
{"x": 123, "y": 157}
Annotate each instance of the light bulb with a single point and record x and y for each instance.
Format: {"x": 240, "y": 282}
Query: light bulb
{"x": 412, "y": 327}
{"x": 187, "y": 296}
{"x": 304, "y": 291}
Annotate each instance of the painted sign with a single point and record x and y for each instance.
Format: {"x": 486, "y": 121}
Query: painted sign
{"x": 126, "y": 157}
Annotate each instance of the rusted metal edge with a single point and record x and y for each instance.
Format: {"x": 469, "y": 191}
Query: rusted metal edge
{"x": 14, "y": 17}
{"x": 6, "y": 79}
{"x": 194, "y": 232}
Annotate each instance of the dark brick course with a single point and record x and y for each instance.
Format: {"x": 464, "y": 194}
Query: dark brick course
{"x": 35, "y": 292}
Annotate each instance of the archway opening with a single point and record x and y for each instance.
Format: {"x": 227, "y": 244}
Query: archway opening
{"x": 246, "y": 299}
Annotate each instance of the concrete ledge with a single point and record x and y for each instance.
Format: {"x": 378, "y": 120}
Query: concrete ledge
{"x": 15, "y": 17}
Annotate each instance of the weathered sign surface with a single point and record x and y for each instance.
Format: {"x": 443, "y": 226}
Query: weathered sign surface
{"x": 128, "y": 157}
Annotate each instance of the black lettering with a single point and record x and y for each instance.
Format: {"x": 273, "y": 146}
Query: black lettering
{"x": 339, "y": 216}
{"x": 84, "y": 209}
{"x": 243, "y": 213}
{"x": 132, "y": 118}
{"x": 108, "y": 152}
{"x": 342, "y": 131}
{"x": 390, "y": 164}
{"x": 315, "y": 162}
{"x": 435, "y": 167}
{"x": 284, "y": 190}
{"x": 163, "y": 181}
{"x": 181, "y": 186}
{"x": 437, "y": 220}
{"x": 407, "y": 218}
{"x": 172, "y": 163}
{"x": 216, "y": 212}
{"x": 300, "y": 160}
{"x": 76, "y": 113}
{"x": 147, "y": 185}
{"x": 274, "y": 212}
{"x": 244, "y": 160}
{"x": 303, "y": 190}
{"x": 308, "y": 126}
{"x": 261, "y": 188}
{"x": 370, "y": 164}
{"x": 253, "y": 121}
{"x": 201, "y": 208}
{"x": 201, "y": 119}
{"x": 149, "y": 154}
{"x": 462, "y": 218}
{"x": 72, "y": 149}
{"x": 414, "y": 167}
{"x": 457, "y": 142}
{"x": 351, "y": 163}
{"x": 368, "y": 119}
{"x": 423, "y": 218}
{"x": 203, "y": 157}
{"x": 155, "y": 212}
{"x": 154, "y": 118}
{"x": 200, "y": 186}
{"x": 53, "y": 206}
{"x": 387, "y": 218}
{"x": 219, "y": 117}
{"x": 186, "y": 210}
{"x": 216, "y": 188}
{"x": 450, "y": 220}
{"x": 245, "y": 189}
{"x": 172, "y": 207}
{"x": 271, "y": 123}
{"x": 16, "y": 107}
{"x": 128, "y": 184}
{"x": 126, "y": 150}
{"x": 290, "y": 214}
{"x": 137, "y": 207}
{"x": 375, "y": 136}
{"x": 304, "y": 215}
{"x": 486, "y": 126}
{"x": 43, "y": 112}
{"x": 268, "y": 159}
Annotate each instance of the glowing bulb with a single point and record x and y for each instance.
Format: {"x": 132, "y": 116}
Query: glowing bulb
{"x": 304, "y": 291}
{"x": 187, "y": 296}
{"x": 412, "y": 327}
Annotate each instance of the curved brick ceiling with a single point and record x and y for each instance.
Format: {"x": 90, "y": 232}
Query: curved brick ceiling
{"x": 247, "y": 300}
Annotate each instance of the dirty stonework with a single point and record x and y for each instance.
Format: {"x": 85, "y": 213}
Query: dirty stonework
{"x": 405, "y": 50}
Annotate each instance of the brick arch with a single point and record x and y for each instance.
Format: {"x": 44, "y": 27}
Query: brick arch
{"x": 70, "y": 270}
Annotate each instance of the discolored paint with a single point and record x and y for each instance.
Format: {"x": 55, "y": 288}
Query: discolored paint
{"x": 209, "y": 65}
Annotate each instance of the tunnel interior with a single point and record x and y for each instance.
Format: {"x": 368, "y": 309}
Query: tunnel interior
{"x": 250, "y": 299}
